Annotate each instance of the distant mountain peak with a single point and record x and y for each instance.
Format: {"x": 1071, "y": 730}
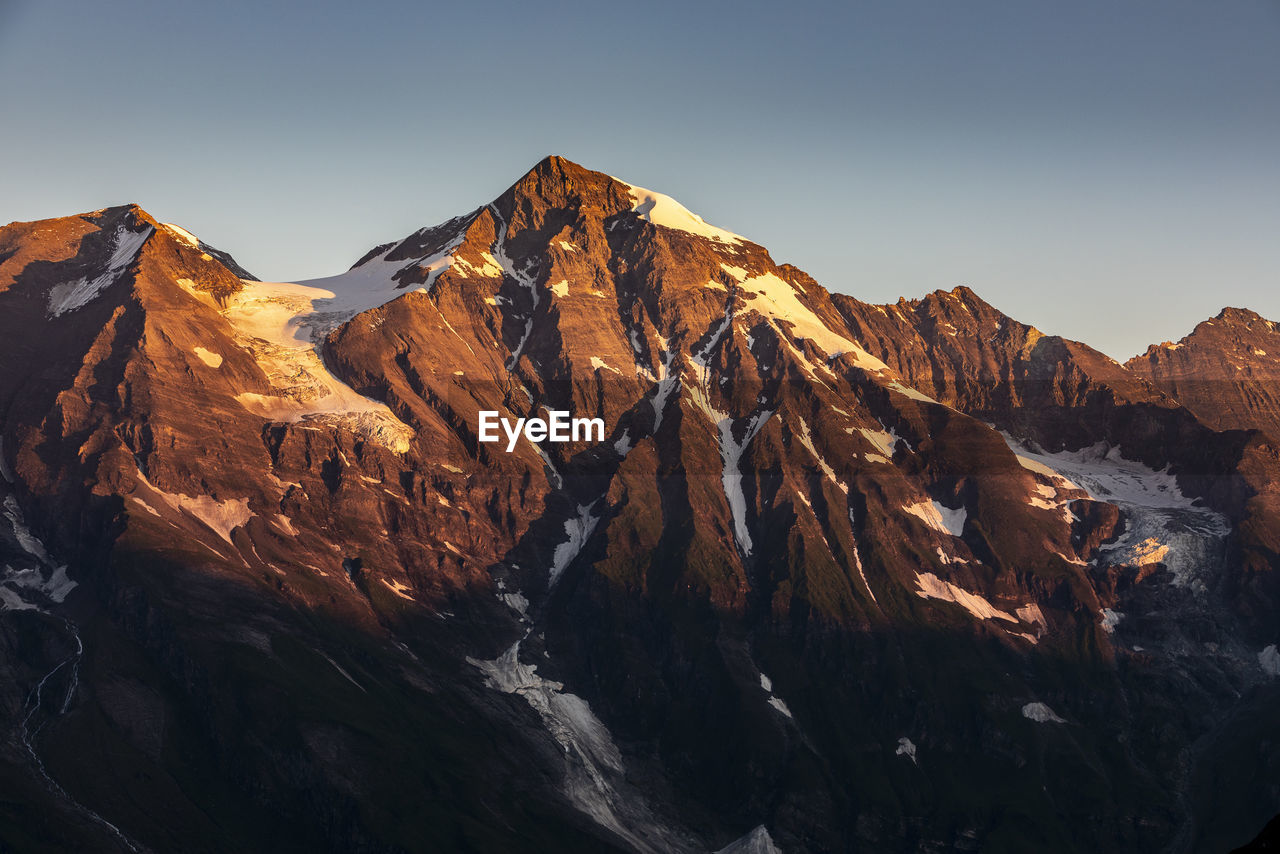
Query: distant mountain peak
{"x": 1241, "y": 317}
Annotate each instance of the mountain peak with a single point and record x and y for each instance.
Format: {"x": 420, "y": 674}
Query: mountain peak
{"x": 559, "y": 183}
{"x": 1239, "y": 316}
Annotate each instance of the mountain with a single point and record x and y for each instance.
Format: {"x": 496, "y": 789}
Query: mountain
{"x": 1223, "y": 371}
{"x": 837, "y": 576}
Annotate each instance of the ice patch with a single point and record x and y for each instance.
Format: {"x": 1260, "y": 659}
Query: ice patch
{"x": 1162, "y": 525}
{"x": 907, "y": 748}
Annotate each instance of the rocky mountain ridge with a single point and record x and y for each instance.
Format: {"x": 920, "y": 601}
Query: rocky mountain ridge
{"x": 841, "y": 576}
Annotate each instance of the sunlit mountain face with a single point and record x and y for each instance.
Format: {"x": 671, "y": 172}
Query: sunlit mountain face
{"x": 576, "y": 523}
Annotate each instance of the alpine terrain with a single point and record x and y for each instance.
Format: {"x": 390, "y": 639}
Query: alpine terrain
{"x": 839, "y": 577}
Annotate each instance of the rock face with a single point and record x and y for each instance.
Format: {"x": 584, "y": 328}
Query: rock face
{"x": 800, "y": 597}
{"x": 1225, "y": 371}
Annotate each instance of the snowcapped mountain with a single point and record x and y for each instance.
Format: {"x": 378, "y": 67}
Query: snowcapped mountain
{"x": 839, "y": 576}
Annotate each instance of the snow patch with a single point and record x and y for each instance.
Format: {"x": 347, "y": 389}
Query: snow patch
{"x": 773, "y": 298}
{"x": 221, "y": 517}
{"x": 780, "y": 705}
{"x": 757, "y": 841}
{"x": 516, "y": 602}
{"x": 181, "y": 234}
{"x": 211, "y": 359}
{"x": 907, "y": 748}
{"x": 600, "y": 364}
{"x": 731, "y": 453}
{"x": 933, "y": 587}
{"x": 1269, "y": 660}
{"x": 71, "y": 296}
{"x": 931, "y": 513}
{"x": 952, "y": 520}
{"x": 1040, "y": 713}
{"x": 622, "y": 446}
{"x": 579, "y": 530}
{"x": 488, "y": 268}
{"x": 884, "y": 441}
{"x": 910, "y": 392}
{"x": 1111, "y": 619}
{"x": 806, "y": 439}
{"x": 766, "y": 684}
{"x": 401, "y": 590}
{"x": 667, "y": 212}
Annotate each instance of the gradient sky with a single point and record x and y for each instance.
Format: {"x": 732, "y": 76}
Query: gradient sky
{"x": 1104, "y": 169}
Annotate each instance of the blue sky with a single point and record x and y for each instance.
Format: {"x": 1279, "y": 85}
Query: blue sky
{"x": 1104, "y": 169}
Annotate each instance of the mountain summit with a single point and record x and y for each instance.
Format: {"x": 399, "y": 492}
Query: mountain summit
{"x": 840, "y": 576}
{"x": 1225, "y": 371}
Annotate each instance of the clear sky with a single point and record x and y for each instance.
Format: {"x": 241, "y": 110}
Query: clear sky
{"x": 1104, "y": 169}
